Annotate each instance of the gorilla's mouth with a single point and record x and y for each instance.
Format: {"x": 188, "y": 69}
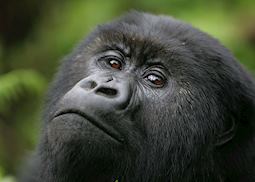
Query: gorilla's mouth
{"x": 100, "y": 125}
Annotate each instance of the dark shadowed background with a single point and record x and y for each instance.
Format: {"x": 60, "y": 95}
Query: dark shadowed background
{"x": 35, "y": 35}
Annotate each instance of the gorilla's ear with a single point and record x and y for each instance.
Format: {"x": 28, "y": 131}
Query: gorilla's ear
{"x": 227, "y": 135}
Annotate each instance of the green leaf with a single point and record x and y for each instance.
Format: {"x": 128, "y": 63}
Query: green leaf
{"x": 18, "y": 83}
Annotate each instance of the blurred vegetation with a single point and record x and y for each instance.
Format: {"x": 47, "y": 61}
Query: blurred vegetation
{"x": 34, "y": 36}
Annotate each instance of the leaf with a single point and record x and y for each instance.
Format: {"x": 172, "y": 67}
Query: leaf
{"x": 18, "y": 83}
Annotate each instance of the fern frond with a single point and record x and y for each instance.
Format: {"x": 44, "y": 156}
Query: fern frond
{"x": 17, "y": 83}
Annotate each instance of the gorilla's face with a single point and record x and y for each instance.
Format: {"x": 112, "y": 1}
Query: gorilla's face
{"x": 123, "y": 102}
{"x": 143, "y": 97}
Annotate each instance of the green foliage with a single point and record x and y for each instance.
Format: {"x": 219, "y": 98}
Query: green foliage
{"x": 5, "y": 179}
{"x": 17, "y": 83}
{"x": 8, "y": 179}
{"x": 1, "y": 173}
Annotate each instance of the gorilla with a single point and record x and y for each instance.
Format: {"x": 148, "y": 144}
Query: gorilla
{"x": 148, "y": 98}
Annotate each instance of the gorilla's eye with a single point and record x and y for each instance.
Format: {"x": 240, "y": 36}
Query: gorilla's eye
{"x": 112, "y": 60}
{"x": 116, "y": 64}
{"x": 156, "y": 80}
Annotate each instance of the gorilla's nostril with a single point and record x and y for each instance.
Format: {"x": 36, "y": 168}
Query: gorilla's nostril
{"x": 109, "y": 92}
{"x": 93, "y": 84}
{"x": 89, "y": 85}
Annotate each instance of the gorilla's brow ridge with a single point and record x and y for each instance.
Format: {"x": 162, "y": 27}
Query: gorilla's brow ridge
{"x": 124, "y": 50}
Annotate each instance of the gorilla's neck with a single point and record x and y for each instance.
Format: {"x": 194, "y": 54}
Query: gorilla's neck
{"x": 146, "y": 168}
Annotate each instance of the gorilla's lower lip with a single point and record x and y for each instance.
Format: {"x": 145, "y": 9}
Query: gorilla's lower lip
{"x": 103, "y": 127}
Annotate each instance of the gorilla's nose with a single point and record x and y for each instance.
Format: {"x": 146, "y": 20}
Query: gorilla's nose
{"x": 99, "y": 93}
{"x": 101, "y": 86}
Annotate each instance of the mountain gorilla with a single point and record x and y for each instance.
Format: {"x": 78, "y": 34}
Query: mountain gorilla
{"x": 148, "y": 98}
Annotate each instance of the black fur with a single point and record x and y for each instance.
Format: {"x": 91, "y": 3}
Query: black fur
{"x": 197, "y": 127}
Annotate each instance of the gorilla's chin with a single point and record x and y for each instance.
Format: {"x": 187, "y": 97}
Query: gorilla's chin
{"x": 70, "y": 126}
{"x": 88, "y": 146}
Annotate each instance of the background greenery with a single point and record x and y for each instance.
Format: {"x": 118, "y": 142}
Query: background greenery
{"x": 35, "y": 35}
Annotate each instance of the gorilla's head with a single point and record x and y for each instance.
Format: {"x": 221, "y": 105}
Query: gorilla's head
{"x": 148, "y": 98}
